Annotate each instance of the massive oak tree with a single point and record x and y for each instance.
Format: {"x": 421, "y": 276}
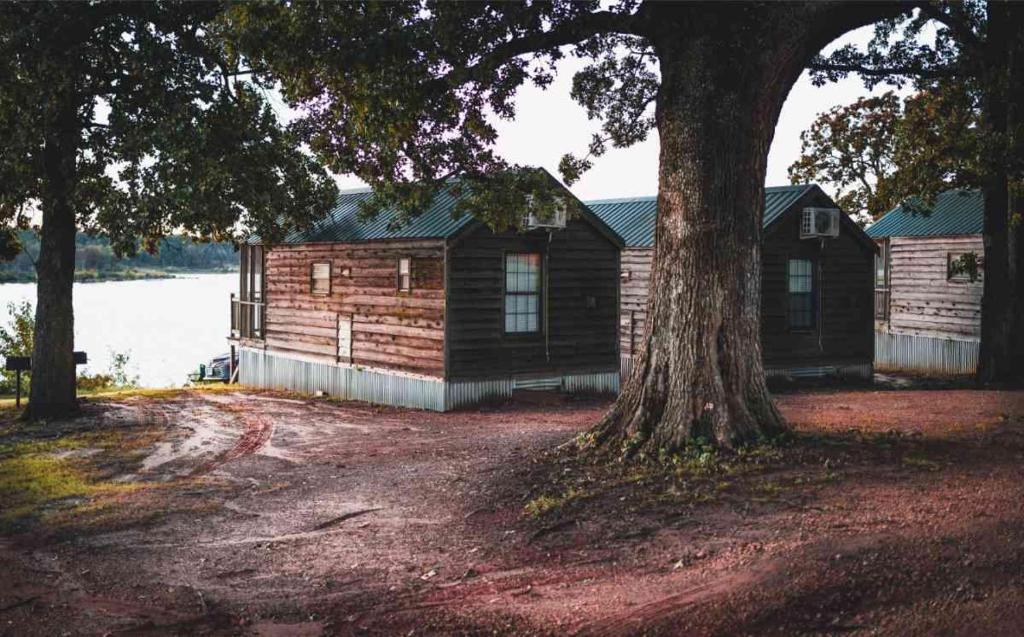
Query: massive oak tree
{"x": 979, "y": 46}
{"x": 404, "y": 95}
{"x": 129, "y": 119}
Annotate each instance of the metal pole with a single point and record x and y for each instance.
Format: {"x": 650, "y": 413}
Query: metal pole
{"x": 17, "y": 395}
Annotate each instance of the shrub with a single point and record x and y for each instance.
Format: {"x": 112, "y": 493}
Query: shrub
{"x": 117, "y": 375}
{"x": 16, "y": 340}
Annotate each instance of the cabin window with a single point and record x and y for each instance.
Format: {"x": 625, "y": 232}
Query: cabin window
{"x": 801, "y": 294}
{"x": 522, "y": 293}
{"x": 251, "y": 271}
{"x": 404, "y": 274}
{"x": 320, "y": 278}
{"x": 882, "y": 265}
{"x": 247, "y": 314}
{"x": 963, "y": 267}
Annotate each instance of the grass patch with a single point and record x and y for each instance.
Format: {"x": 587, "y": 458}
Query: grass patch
{"x": 61, "y": 474}
{"x": 920, "y": 462}
{"x": 777, "y": 470}
{"x": 139, "y": 392}
{"x": 35, "y": 477}
{"x": 769, "y": 488}
{"x": 702, "y": 460}
{"x": 545, "y": 504}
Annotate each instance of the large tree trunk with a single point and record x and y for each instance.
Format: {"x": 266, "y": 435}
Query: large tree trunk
{"x": 725, "y": 72}
{"x": 52, "y": 392}
{"x": 997, "y": 350}
{"x": 1000, "y": 305}
{"x": 1015, "y": 125}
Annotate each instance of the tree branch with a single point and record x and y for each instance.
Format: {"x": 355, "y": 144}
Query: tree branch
{"x": 957, "y": 23}
{"x": 937, "y": 72}
{"x": 564, "y": 34}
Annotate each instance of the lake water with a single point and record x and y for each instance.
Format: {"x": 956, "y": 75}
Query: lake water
{"x": 167, "y": 326}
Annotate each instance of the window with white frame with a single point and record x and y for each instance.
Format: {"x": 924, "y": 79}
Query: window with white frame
{"x": 800, "y": 275}
{"x": 404, "y": 274}
{"x": 522, "y": 292}
{"x": 320, "y": 278}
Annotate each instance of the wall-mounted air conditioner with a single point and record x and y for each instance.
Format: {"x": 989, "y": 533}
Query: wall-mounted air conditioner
{"x": 555, "y": 219}
{"x": 819, "y": 222}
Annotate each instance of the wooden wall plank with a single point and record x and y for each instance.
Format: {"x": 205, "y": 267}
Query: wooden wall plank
{"x": 581, "y": 263}
{"x": 389, "y": 329}
{"x": 924, "y": 301}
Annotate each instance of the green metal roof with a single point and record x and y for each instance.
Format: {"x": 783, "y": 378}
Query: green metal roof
{"x": 956, "y": 212}
{"x": 633, "y": 218}
{"x": 779, "y": 199}
{"x": 343, "y": 224}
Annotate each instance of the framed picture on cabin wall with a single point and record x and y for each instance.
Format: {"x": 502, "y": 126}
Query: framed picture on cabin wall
{"x": 320, "y": 278}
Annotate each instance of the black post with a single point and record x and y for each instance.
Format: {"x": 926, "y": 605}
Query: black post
{"x": 17, "y": 394}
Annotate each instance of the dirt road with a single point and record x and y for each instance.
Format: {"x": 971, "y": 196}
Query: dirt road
{"x": 256, "y": 514}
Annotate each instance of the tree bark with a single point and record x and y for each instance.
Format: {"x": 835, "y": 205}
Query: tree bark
{"x": 1000, "y": 307}
{"x": 52, "y": 392}
{"x": 726, "y": 70}
{"x": 1015, "y": 126}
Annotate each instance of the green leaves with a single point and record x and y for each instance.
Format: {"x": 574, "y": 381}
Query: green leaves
{"x": 16, "y": 338}
{"x": 173, "y": 132}
{"x": 405, "y": 95}
{"x": 879, "y": 151}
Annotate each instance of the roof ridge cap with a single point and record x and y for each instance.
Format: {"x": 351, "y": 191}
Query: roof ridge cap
{"x": 790, "y": 187}
{"x": 621, "y": 199}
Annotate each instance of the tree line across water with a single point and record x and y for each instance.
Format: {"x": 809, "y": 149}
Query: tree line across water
{"x": 95, "y": 259}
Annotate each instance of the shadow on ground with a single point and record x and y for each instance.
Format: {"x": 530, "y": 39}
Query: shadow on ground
{"x": 888, "y": 512}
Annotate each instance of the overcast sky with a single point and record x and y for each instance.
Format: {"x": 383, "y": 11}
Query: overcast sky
{"x": 549, "y": 123}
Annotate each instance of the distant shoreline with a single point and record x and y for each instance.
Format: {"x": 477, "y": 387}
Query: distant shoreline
{"x": 92, "y": 276}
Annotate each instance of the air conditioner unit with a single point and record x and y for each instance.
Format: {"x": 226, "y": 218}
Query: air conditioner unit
{"x": 819, "y": 222}
{"x": 556, "y": 219}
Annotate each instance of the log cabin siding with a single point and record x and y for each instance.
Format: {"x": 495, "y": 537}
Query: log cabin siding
{"x": 579, "y": 263}
{"x": 390, "y": 329}
{"x": 635, "y": 281}
{"x": 924, "y": 302}
{"x": 844, "y": 284}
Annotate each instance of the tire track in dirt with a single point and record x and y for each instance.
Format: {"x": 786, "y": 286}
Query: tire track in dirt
{"x": 258, "y": 431}
{"x": 660, "y": 610}
{"x": 151, "y": 414}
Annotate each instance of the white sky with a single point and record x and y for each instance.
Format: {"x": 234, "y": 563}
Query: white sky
{"x": 549, "y": 124}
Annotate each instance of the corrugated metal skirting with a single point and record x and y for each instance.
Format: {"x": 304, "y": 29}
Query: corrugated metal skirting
{"x": 625, "y": 366}
{"x": 460, "y": 394}
{"x": 923, "y": 354}
{"x": 844, "y": 370}
{"x": 271, "y": 371}
{"x": 261, "y": 369}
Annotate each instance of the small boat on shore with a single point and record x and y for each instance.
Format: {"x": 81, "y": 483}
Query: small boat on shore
{"x": 217, "y": 370}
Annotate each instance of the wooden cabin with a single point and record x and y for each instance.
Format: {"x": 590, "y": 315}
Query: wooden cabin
{"x": 438, "y": 313}
{"x": 927, "y": 312}
{"x": 816, "y": 306}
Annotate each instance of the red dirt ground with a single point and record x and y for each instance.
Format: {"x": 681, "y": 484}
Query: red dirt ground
{"x": 889, "y": 513}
